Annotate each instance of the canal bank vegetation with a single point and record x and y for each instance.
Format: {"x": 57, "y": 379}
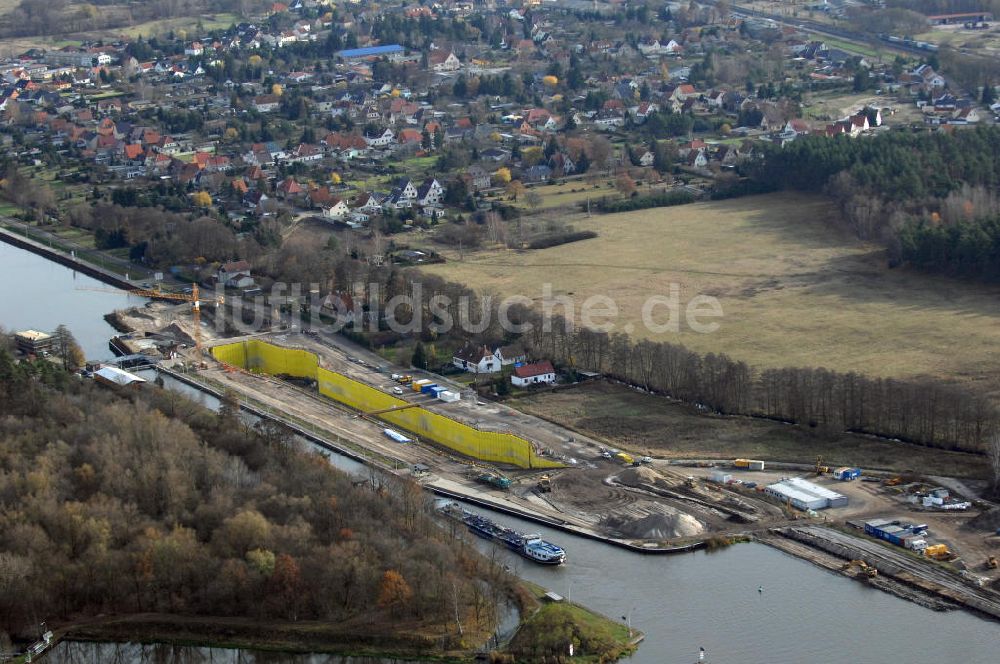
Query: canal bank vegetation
{"x": 145, "y": 507}
{"x": 545, "y": 635}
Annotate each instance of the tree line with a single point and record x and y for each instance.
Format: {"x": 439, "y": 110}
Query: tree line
{"x": 147, "y": 502}
{"x": 926, "y": 410}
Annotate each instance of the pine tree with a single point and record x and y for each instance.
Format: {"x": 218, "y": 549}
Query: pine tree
{"x": 419, "y": 357}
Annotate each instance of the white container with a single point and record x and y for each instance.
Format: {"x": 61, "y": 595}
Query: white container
{"x": 720, "y": 477}
{"x": 448, "y": 396}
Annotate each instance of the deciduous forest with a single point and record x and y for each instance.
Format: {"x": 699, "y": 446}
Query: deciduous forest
{"x": 145, "y": 502}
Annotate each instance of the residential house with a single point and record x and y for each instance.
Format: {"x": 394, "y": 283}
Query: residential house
{"x": 235, "y": 275}
{"x": 538, "y": 173}
{"x": 478, "y": 177}
{"x": 442, "y": 61}
{"x": 537, "y": 373}
{"x": 486, "y": 358}
{"x": 430, "y": 192}
{"x": 266, "y": 103}
{"x": 380, "y": 139}
{"x": 336, "y": 208}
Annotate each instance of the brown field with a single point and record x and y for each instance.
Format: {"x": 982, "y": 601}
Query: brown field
{"x": 794, "y": 291}
{"x": 645, "y": 424}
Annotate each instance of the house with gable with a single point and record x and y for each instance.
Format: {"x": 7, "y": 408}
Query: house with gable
{"x": 486, "y": 358}
{"x": 430, "y": 192}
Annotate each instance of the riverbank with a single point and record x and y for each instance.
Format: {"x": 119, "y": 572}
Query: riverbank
{"x": 68, "y": 258}
{"x": 373, "y": 640}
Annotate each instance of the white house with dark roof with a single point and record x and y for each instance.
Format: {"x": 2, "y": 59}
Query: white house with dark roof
{"x": 486, "y": 358}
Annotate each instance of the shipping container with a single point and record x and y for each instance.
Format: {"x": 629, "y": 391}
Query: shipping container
{"x": 436, "y": 391}
{"x": 418, "y": 384}
{"x": 428, "y": 388}
{"x": 749, "y": 464}
{"x": 449, "y": 397}
{"x": 847, "y": 474}
{"x": 720, "y": 477}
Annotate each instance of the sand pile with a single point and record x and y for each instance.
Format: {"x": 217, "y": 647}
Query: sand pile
{"x": 669, "y": 524}
{"x": 637, "y": 476}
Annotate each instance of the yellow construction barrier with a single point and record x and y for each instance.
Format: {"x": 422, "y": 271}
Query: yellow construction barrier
{"x": 263, "y": 357}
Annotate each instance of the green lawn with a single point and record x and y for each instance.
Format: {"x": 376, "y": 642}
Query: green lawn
{"x": 550, "y": 631}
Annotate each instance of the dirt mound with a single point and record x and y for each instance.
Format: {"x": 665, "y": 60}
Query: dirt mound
{"x": 988, "y": 520}
{"x": 641, "y": 475}
{"x": 176, "y": 332}
{"x": 667, "y": 525}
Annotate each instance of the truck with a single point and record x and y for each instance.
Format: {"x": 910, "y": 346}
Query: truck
{"x": 748, "y": 464}
{"x": 937, "y": 552}
{"x": 494, "y": 479}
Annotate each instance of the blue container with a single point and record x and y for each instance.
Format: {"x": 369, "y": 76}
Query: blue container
{"x": 426, "y": 389}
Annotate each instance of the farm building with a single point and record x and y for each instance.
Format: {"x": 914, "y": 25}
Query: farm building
{"x": 805, "y": 495}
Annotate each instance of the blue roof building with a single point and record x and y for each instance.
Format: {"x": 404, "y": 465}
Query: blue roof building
{"x": 371, "y": 51}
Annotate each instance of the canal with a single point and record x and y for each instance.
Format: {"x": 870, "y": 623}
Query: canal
{"x": 681, "y": 603}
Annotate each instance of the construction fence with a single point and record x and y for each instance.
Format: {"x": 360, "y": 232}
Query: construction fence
{"x": 495, "y": 447}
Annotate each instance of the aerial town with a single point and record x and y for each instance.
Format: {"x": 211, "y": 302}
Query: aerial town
{"x": 483, "y": 330}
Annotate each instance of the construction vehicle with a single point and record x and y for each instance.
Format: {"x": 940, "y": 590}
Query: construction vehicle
{"x": 544, "y": 484}
{"x": 404, "y": 379}
{"x": 820, "y": 468}
{"x": 156, "y": 293}
{"x": 991, "y": 562}
{"x": 938, "y": 552}
{"x": 494, "y": 479}
{"x": 625, "y": 458}
{"x": 894, "y": 481}
{"x": 864, "y": 568}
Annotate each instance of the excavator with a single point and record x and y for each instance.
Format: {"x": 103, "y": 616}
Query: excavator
{"x": 820, "y": 468}
{"x": 863, "y": 567}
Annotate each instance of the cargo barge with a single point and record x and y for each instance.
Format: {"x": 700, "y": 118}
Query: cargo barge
{"x": 529, "y": 546}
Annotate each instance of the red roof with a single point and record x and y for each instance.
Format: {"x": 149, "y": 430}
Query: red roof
{"x": 536, "y": 369}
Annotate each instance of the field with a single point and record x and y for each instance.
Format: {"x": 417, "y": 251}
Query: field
{"x": 645, "y": 424}
{"x": 793, "y": 291}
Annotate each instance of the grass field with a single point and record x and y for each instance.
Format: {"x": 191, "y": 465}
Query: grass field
{"x": 645, "y": 424}
{"x": 794, "y": 292}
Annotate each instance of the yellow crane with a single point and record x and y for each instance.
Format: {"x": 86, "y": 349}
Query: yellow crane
{"x": 194, "y": 297}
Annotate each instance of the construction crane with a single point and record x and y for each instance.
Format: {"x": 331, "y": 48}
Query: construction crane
{"x": 194, "y": 297}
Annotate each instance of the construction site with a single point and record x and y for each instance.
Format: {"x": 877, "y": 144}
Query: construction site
{"x": 460, "y": 445}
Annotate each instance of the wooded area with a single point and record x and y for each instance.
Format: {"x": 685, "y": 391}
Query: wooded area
{"x": 117, "y": 504}
{"x": 927, "y": 196}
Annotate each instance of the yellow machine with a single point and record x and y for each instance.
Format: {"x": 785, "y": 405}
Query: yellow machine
{"x": 863, "y": 567}
{"x": 991, "y": 562}
{"x": 938, "y": 552}
{"x": 545, "y": 484}
{"x": 820, "y": 468}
